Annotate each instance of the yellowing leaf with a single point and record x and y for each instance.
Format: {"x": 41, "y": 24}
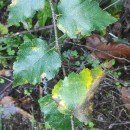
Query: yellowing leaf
{"x": 74, "y": 92}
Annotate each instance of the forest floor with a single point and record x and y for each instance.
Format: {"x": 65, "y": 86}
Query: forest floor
{"x": 111, "y": 110}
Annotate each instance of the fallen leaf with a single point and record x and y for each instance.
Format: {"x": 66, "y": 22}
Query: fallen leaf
{"x": 7, "y": 101}
{"x": 107, "y": 64}
{"x": 5, "y": 72}
{"x": 93, "y": 41}
{"x": 125, "y": 95}
{"x": 111, "y": 50}
{"x": 8, "y": 107}
{"x": 102, "y": 50}
{"x": 5, "y": 88}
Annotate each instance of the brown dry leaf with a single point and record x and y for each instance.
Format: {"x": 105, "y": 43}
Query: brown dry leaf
{"x": 107, "y": 64}
{"x": 107, "y": 51}
{"x": 93, "y": 41}
{"x": 5, "y": 72}
{"x": 5, "y": 88}
{"x": 7, "y": 101}
{"x": 9, "y": 106}
{"x": 125, "y": 95}
{"x": 24, "y": 114}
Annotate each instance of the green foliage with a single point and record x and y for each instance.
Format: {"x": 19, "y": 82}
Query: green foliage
{"x": 116, "y": 8}
{"x": 10, "y": 42}
{"x": 82, "y": 17}
{"x": 53, "y": 117}
{"x": 1, "y": 4}
{"x": 34, "y": 59}
{"x": 72, "y": 90}
{"x": 70, "y": 54}
{"x": 23, "y": 9}
{"x": 3, "y": 29}
{"x": 2, "y": 81}
{"x": 79, "y": 60}
{"x": 27, "y": 24}
{"x": 27, "y": 92}
{"x": 91, "y": 125}
{"x": 68, "y": 97}
{"x": 44, "y": 13}
{"x": 116, "y": 75}
{"x": 93, "y": 62}
{"x": 71, "y": 93}
{"x": 118, "y": 5}
{"x": 8, "y": 49}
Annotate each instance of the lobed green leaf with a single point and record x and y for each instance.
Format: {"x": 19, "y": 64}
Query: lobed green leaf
{"x": 53, "y": 117}
{"x": 19, "y": 10}
{"x": 82, "y": 17}
{"x": 35, "y": 59}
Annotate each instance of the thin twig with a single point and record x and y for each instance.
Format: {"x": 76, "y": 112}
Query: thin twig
{"x": 115, "y": 57}
{"x": 95, "y": 49}
{"x": 6, "y": 78}
{"x": 111, "y": 4}
{"x": 72, "y": 123}
{"x": 122, "y": 123}
{"x": 27, "y": 31}
{"x": 111, "y": 34}
{"x": 56, "y": 35}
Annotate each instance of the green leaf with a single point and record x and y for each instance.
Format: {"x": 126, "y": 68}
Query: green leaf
{"x": 35, "y": 59}
{"x": 44, "y": 14}
{"x": 75, "y": 90}
{"x": 82, "y": 16}
{"x": 3, "y": 29}
{"x": 10, "y": 52}
{"x": 53, "y": 117}
{"x": 23, "y": 9}
{"x": 116, "y": 8}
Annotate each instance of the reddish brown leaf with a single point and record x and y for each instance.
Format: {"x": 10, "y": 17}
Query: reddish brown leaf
{"x": 93, "y": 41}
{"x": 107, "y": 51}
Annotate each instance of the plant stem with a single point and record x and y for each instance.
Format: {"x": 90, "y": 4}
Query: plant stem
{"x": 72, "y": 123}
{"x": 111, "y": 4}
{"x": 28, "y": 31}
{"x": 56, "y": 35}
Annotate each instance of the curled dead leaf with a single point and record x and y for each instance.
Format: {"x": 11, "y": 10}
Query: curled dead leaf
{"x": 107, "y": 51}
{"x": 111, "y": 50}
